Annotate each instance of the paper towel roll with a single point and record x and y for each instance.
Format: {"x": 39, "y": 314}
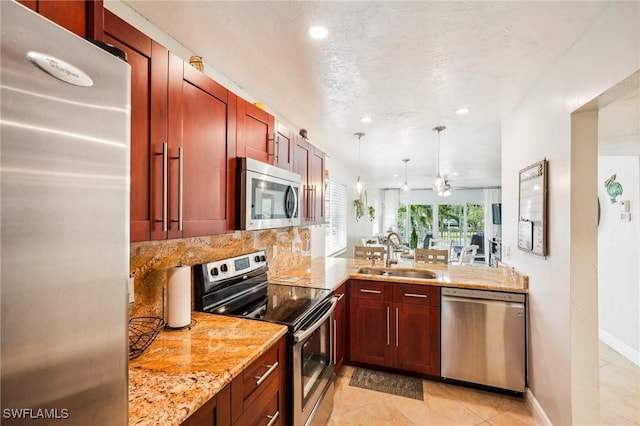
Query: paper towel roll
{"x": 179, "y": 296}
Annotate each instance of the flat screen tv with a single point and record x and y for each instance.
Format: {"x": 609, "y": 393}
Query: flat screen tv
{"x": 496, "y": 210}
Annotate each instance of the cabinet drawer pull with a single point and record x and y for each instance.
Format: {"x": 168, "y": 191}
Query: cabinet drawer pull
{"x": 340, "y": 296}
{"x": 271, "y": 369}
{"x": 364, "y": 290}
{"x": 421, "y": 296}
{"x": 273, "y": 419}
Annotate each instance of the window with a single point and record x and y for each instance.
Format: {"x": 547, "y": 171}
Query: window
{"x": 336, "y": 216}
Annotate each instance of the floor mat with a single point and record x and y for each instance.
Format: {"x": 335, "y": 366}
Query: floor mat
{"x": 381, "y": 381}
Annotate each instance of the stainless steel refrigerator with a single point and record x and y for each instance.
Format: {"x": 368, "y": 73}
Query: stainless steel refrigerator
{"x": 64, "y": 160}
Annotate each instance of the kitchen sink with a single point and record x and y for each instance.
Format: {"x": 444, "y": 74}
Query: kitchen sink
{"x": 404, "y": 273}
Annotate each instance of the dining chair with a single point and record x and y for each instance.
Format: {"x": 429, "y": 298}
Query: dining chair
{"x": 439, "y": 244}
{"x": 468, "y": 255}
{"x": 367, "y": 252}
{"x": 431, "y": 256}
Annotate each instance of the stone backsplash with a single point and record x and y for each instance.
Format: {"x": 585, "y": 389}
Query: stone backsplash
{"x": 149, "y": 261}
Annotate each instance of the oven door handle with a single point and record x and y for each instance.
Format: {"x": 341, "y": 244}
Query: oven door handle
{"x": 303, "y": 334}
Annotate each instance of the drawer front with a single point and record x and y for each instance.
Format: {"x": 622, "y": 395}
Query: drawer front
{"x": 262, "y": 372}
{"x": 253, "y": 384}
{"x": 265, "y": 410}
{"x": 416, "y": 294}
{"x": 370, "y": 290}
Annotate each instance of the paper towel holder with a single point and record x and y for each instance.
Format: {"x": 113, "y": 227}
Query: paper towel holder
{"x": 166, "y": 325}
{"x": 178, "y": 298}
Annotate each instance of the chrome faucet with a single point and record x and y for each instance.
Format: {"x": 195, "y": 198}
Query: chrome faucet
{"x": 390, "y": 251}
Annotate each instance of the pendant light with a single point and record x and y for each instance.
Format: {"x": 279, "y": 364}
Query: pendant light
{"x": 405, "y": 187}
{"x": 439, "y": 183}
{"x": 359, "y": 183}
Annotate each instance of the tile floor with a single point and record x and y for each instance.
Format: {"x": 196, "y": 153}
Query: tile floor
{"x": 443, "y": 405}
{"x": 450, "y": 405}
{"x": 619, "y": 389}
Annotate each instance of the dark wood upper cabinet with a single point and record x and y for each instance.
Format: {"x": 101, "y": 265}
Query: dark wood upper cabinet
{"x": 309, "y": 163}
{"x": 201, "y": 126}
{"x": 283, "y": 147}
{"x": 255, "y": 131}
{"x": 81, "y": 17}
{"x": 149, "y": 73}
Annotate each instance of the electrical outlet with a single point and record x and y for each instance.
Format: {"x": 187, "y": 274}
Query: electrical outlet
{"x": 131, "y": 289}
{"x": 275, "y": 251}
{"x": 507, "y": 252}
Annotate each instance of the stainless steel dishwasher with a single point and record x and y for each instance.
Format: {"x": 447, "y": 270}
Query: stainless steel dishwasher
{"x": 483, "y": 338}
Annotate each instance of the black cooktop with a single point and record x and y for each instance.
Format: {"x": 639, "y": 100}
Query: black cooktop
{"x": 239, "y": 287}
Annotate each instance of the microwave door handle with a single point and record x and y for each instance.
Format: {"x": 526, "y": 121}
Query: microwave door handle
{"x": 295, "y": 202}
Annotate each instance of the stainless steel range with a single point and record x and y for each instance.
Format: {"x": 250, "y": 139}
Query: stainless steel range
{"x": 239, "y": 286}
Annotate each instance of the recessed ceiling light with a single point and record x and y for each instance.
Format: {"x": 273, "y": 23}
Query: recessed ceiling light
{"x": 318, "y": 32}
{"x": 395, "y": 175}
{"x": 462, "y": 111}
{"x": 366, "y": 119}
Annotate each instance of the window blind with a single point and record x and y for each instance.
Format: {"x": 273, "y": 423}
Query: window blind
{"x": 336, "y": 208}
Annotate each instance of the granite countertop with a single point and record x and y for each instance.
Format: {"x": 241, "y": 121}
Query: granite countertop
{"x": 331, "y": 272}
{"x": 181, "y": 370}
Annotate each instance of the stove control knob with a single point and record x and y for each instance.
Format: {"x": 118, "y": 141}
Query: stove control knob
{"x": 263, "y": 258}
{"x": 214, "y": 271}
{"x": 224, "y": 267}
{"x": 257, "y": 258}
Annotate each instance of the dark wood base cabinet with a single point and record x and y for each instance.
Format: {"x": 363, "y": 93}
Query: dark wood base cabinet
{"x": 255, "y": 397}
{"x": 395, "y": 326}
{"x": 340, "y": 327}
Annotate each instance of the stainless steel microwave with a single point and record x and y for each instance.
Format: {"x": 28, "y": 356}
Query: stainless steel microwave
{"x": 267, "y": 196}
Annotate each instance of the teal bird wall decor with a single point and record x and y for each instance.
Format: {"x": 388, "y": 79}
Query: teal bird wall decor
{"x": 614, "y": 189}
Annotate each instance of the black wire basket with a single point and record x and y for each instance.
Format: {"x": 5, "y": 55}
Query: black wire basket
{"x": 142, "y": 331}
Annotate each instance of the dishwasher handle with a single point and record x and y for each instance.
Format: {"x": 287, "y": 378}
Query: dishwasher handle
{"x": 456, "y": 299}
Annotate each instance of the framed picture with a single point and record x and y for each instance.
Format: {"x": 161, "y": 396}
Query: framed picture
{"x": 532, "y": 209}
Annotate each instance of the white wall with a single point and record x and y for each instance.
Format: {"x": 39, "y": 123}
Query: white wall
{"x": 563, "y": 367}
{"x": 362, "y": 228}
{"x": 618, "y": 254}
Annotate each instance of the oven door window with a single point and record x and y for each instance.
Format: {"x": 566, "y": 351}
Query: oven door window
{"x": 273, "y": 200}
{"x": 316, "y": 359}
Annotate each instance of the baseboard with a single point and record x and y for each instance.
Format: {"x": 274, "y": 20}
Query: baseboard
{"x": 620, "y": 347}
{"x": 536, "y": 409}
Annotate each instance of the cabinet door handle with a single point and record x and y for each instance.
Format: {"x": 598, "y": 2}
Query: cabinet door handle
{"x": 180, "y": 159}
{"x": 180, "y": 186}
{"x": 271, "y": 369}
{"x": 397, "y": 333}
{"x": 420, "y": 296}
{"x": 307, "y": 197}
{"x": 273, "y": 419}
{"x": 364, "y": 290}
{"x": 388, "y": 337}
{"x": 335, "y": 341}
{"x": 339, "y": 296}
{"x": 276, "y": 147}
{"x": 314, "y": 202}
{"x": 165, "y": 184}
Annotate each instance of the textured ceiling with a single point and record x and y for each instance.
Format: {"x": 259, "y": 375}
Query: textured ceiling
{"x": 409, "y": 65}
